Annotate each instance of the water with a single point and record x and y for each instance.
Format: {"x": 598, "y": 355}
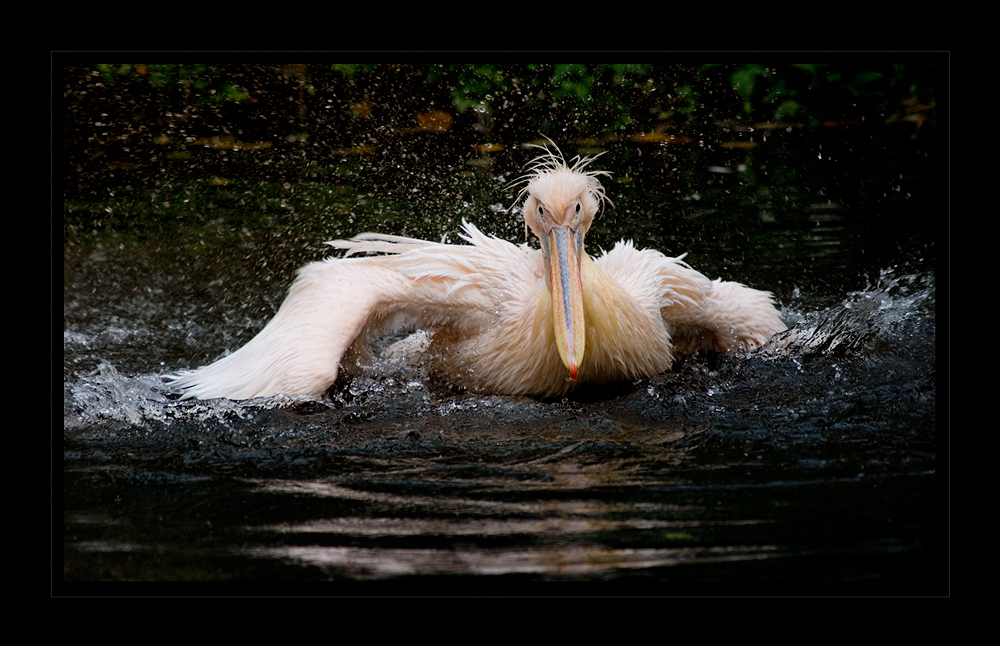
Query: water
{"x": 812, "y": 462}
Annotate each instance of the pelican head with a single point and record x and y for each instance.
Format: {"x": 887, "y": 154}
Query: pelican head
{"x": 559, "y": 206}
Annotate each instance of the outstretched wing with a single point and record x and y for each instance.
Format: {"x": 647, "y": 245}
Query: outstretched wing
{"x": 698, "y": 313}
{"x": 334, "y": 303}
{"x": 299, "y": 350}
{"x": 738, "y": 317}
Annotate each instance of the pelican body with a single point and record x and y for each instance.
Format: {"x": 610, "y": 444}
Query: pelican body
{"x": 504, "y": 318}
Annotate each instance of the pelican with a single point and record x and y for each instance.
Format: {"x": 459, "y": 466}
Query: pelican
{"x": 503, "y": 318}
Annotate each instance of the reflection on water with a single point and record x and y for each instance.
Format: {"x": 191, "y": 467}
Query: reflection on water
{"x": 812, "y": 460}
{"x": 820, "y": 446}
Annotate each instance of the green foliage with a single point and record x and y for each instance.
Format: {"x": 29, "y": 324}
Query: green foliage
{"x": 205, "y": 81}
{"x": 350, "y": 71}
{"x": 804, "y": 91}
{"x": 474, "y": 85}
{"x": 745, "y": 81}
{"x": 582, "y": 100}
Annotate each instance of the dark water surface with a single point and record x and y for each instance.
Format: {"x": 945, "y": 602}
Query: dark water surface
{"x": 816, "y": 461}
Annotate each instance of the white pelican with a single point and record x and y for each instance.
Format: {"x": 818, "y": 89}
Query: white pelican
{"x": 504, "y": 319}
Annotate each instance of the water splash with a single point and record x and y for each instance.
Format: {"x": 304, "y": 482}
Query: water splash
{"x": 898, "y": 310}
{"x": 893, "y": 316}
{"x": 107, "y": 394}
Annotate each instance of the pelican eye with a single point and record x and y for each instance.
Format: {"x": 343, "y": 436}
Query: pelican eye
{"x": 540, "y": 210}
{"x": 578, "y": 207}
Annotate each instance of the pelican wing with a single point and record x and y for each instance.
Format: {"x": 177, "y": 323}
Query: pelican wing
{"x": 698, "y": 313}
{"x": 733, "y": 316}
{"x": 333, "y": 305}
